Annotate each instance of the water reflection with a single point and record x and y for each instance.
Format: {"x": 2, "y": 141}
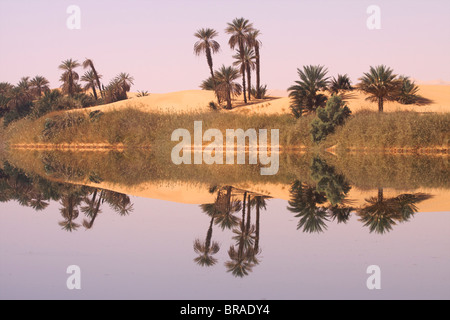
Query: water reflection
{"x": 318, "y": 196}
{"x": 36, "y": 192}
{"x": 380, "y": 214}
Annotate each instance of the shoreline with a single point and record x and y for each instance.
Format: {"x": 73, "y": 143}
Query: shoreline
{"x": 438, "y": 150}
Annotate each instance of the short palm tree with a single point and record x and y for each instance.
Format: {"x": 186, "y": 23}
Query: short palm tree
{"x": 306, "y": 94}
{"x": 88, "y": 63}
{"x": 246, "y": 63}
{"x": 91, "y": 81}
{"x": 255, "y": 43}
{"x": 226, "y": 85}
{"x": 408, "y": 91}
{"x": 340, "y": 85}
{"x": 69, "y": 77}
{"x": 39, "y": 85}
{"x": 124, "y": 81}
{"x": 208, "y": 84}
{"x": 380, "y": 84}
{"x": 206, "y": 44}
{"x": 239, "y": 30}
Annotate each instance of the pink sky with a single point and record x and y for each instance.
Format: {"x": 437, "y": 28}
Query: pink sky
{"x": 153, "y": 40}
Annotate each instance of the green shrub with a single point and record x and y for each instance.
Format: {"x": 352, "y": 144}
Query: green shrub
{"x": 327, "y": 118}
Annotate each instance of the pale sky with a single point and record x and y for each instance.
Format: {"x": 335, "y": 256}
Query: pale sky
{"x": 153, "y": 40}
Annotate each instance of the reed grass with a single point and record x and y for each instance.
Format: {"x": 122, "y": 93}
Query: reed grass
{"x": 134, "y": 128}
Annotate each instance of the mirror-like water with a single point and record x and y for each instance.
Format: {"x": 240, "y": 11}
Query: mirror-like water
{"x": 140, "y": 228}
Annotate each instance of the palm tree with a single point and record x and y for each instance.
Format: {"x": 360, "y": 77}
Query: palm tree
{"x": 5, "y": 88}
{"x": 239, "y": 29}
{"x": 69, "y": 77}
{"x": 246, "y": 63}
{"x": 305, "y": 96}
{"x": 39, "y": 85}
{"x": 91, "y": 81}
{"x": 255, "y": 43}
{"x": 124, "y": 81}
{"x": 408, "y": 91}
{"x": 340, "y": 86}
{"x": 206, "y": 44}
{"x": 208, "y": 84}
{"x": 88, "y": 63}
{"x": 380, "y": 214}
{"x": 226, "y": 85}
{"x": 380, "y": 84}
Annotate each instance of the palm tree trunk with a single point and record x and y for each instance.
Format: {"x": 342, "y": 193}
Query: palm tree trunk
{"x": 249, "y": 81}
{"x": 210, "y": 64}
{"x": 380, "y": 104}
{"x": 97, "y": 79}
{"x": 209, "y": 235}
{"x": 243, "y": 210}
{"x": 241, "y": 49}
{"x": 95, "y": 92}
{"x": 70, "y": 84}
{"x": 243, "y": 84}
{"x": 229, "y": 100}
{"x": 248, "y": 213}
{"x": 258, "y": 203}
{"x": 258, "y": 76}
{"x": 380, "y": 195}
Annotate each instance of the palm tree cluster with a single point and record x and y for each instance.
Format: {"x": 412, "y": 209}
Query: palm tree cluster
{"x": 309, "y": 93}
{"x": 380, "y": 84}
{"x": 245, "y": 39}
{"x": 33, "y": 97}
{"x": 17, "y": 101}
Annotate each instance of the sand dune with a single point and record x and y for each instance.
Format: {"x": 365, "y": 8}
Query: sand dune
{"x": 198, "y": 100}
{"x": 180, "y": 101}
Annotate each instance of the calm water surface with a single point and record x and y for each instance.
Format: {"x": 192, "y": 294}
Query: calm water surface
{"x": 316, "y": 243}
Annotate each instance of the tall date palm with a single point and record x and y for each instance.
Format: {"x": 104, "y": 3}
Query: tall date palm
{"x": 69, "y": 77}
{"x": 255, "y": 43}
{"x": 88, "y": 63}
{"x": 239, "y": 30}
{"x": 206, "y": 44}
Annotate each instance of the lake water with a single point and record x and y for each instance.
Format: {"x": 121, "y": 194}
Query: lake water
{"x": 141, "y": 229}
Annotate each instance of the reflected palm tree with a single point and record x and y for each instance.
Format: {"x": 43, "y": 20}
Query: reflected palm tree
{"x": 380, "y": 214}
{"x": 341, "y": 213}
{"x": 119, "y": 202}
{"x": 243, "y": 256}
{"x": 38, "y": 202}
{"x": 206, "y": 249}
{"x": 70, "y": 212}
{"x": 304, "y": 201}
{"x": 227, "y": 206}
{"x": 92, "y": 208}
